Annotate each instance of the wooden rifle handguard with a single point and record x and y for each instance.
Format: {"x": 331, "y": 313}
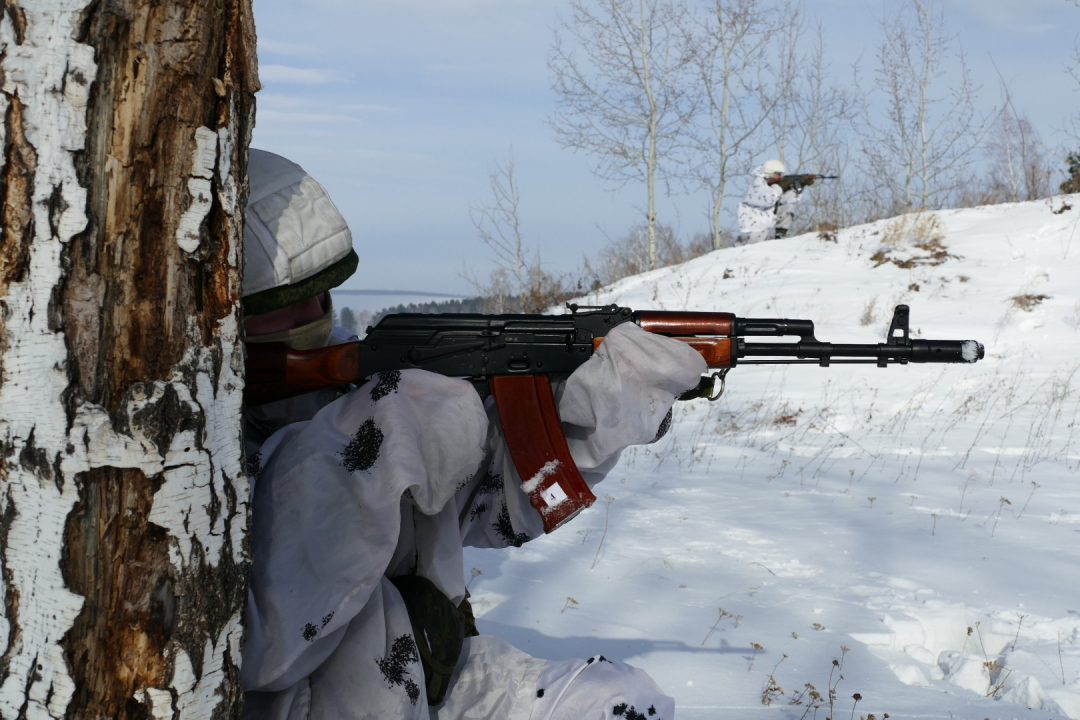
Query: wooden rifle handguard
{"x": 276, "y": 372}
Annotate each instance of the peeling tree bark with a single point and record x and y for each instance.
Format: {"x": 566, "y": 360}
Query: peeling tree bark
{"x": 123, "y": 500}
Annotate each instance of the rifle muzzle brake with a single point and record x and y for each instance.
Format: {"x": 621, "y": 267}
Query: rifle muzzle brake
{"x": 946, "y": 351}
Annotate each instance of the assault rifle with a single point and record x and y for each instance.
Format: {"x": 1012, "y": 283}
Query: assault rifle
{"x": 511, "y": 357}
{"x": 800, "y": 181}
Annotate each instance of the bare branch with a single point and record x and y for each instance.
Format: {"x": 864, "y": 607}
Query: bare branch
{"x": 740, "y": 87}
{"x": 1019, "y": 168}
{"x": 810, "y": 121}
{"x": 498, "y": 221}
{"x": 625, "y": 102}
{"x": 924, "y": 145}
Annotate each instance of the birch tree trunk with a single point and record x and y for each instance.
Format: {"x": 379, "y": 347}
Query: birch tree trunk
{"x": 739, "y": 87}
{"x": 123, "y": 501}
{"x": 630, "y": 102}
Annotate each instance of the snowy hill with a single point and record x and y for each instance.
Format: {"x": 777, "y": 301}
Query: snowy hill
{"x": 926, "y": 518}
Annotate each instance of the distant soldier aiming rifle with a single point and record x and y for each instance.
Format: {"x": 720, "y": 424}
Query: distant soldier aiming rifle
{"x": 798, "y": 182}
{"x": 768, "y": 210}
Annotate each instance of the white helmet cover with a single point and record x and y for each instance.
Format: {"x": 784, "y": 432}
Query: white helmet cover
{"x": 772, "y": 167}
{"x": 296, "y": 243}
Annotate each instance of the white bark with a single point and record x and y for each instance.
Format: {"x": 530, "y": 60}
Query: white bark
{"x": 202, "y": 171}
{"x": 42, "y": 72}
{"x": 48, "y": 441}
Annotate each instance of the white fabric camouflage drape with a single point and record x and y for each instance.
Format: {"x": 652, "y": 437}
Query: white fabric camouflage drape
{"x": 392, "y": 479}
{"x": 757, "y": 211}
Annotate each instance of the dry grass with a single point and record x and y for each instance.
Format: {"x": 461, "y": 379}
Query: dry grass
{"x": 1027, "y": 303}
{"x": 918, "y": 231}
{"x": 911, "y": 229}
{"x": 869, "y": 315}
{"x": 827, "y": 232}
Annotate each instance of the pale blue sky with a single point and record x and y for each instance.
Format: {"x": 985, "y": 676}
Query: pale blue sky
{"x": 399, "y": 106}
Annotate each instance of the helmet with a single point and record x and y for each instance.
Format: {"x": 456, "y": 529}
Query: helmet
{"x": 296, "y": 243}
{"x": 771, "y": 167}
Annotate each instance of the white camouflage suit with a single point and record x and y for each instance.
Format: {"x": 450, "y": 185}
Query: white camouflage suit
{"x": 759, "y": 213}
{"x": 394, "y": 478}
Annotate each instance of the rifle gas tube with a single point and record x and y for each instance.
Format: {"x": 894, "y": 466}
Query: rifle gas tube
{"x": 511, "y": 356}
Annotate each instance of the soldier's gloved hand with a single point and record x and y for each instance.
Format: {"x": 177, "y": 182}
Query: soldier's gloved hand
{"x": 809, "y": 181}
{"x": 621, "y": 396}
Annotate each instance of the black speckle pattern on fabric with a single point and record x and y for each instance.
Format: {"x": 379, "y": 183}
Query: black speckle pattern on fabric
{"x": 254, "y": 465}
{"x": 652, "y": 710}
{"x": 540, "y": 693}
{"x": 463, "y": 484}
{"x": 363, "y": 450}
{"x": 394, "y": 667}
{"x": 387, "y": 383}
{"x": 664, "y": 427}
{"x": 310, "y": 632}
{"x": 629, "y": 713}
{"x": 492, "y": 483}
{"x": 327, "y": 618}
{"x": 505, "y": 529}
{"x": 478, "y": 511}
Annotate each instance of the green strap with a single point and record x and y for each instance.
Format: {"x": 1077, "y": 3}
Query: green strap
{"x": 437, "y": 630}
{"x": 278, "y": 297}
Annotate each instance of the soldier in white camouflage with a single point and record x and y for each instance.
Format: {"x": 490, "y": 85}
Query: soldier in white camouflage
{"x": 767, "y": 211}
{"x": 363, "y": 498}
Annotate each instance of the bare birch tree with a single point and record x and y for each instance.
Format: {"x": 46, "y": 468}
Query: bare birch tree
{"x": 1073, "y": 68}
{"x": 1018, "y": 166}
{"x": 498, "y": 221}
{"x": 740, "y": 88}
{"x": 811, "y": 121}
{"x": 625, "y": 102}
{"x": 124, "y": 501}
{"x": 924, "y": 142}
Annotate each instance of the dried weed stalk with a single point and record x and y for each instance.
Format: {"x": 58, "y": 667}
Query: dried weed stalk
{"x": 772, "y": 689}
{"x": 608, "y": 499}
{"x": 756, "y": 647}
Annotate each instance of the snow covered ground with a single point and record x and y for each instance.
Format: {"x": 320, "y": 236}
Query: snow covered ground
{"x": 918, "y": 524}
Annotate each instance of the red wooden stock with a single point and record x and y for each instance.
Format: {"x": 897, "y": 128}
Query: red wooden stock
{"x": 538, "y": 448}
{"x": 275, "y": 372}
{"x": 716, "y": 351}
{"x": 686, "y": 323}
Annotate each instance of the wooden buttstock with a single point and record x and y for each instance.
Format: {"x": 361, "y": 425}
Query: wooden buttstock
{"x": 276, "y": 372}
{"x": 538, "y": 448}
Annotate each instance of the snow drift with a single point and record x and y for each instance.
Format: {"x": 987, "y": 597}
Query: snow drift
{"x": 916, "y": 524}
